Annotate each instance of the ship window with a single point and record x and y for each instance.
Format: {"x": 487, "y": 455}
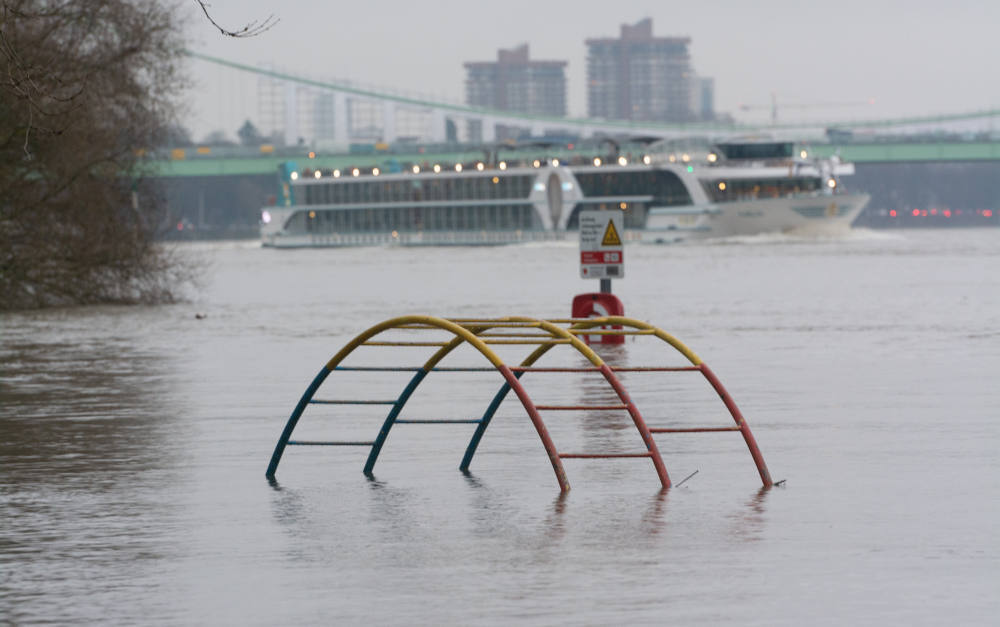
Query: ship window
{"x": 664, "y": 186}
{"x": 760, "y": 151}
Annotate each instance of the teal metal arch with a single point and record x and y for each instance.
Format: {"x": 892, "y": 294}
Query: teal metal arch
{"x": 463, "y": 335}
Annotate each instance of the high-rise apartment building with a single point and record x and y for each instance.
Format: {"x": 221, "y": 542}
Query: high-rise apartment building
{"x": 515, "y": 83}
{"x": 640, "y": 77}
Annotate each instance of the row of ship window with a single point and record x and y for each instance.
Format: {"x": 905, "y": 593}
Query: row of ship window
{"x": 422, "y": 189}
{"x": 721, "y": 191}
{"x": 490, "y": 218}
{"x": 664, "y": 186}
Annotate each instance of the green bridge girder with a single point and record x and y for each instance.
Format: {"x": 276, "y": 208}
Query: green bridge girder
{"x": 896, "y": 152}
{"x": 200, "y": 165}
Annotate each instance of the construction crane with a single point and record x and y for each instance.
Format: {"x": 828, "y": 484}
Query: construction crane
{"x": 813, "y": 105}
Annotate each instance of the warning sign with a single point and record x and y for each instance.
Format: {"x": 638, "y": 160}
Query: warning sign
{"x": 611, "y": 235}
{"x": 601, "y": 255}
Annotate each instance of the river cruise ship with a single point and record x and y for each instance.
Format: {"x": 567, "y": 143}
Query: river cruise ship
{"x": 736, "y": 188}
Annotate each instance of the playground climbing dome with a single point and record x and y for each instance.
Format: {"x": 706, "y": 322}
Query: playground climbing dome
{"x": 485, "y": 336}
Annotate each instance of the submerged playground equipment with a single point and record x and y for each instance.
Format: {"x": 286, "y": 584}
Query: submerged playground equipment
{"x": 544, "y": 335}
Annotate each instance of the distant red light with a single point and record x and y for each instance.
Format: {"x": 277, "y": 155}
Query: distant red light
{"x": 570, "y": 146}
{"x": 923, "y": 214}
{"x": 958, "y": 212}
{"x": 892, "y": 212}
{"x": 180, "y": 226}
{"x": 916, "y": 212}
{"x": 933, "y": 212}
{"x": 947, "y": 213}
{"x": 987, "y": 213}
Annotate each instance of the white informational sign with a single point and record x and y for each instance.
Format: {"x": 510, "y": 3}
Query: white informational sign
{"x": 601, "y": 244}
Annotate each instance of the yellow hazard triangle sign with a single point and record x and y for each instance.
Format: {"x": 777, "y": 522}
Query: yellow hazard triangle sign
{"x": 611, "y": 236}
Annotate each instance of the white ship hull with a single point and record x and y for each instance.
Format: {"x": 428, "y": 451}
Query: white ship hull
{"x": 794, "y": 214}
{"x": 418, "y": 238}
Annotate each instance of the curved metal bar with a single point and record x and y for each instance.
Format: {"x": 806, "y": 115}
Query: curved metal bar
{"x": 494, "y": 405}
{"x": 640, "y": 424}
{"x": 411, "y": 387}
{"x": 612, "y": 379}
{"x": 286, "y": 434}
{"x": 318, "y": 380}
{"x": 758, "y": 459}
{"x": 499, "y": 397}
{"x": 734, "y": 411}
{"x": 645, "y": 326}
{"x": 615, "y": 383}
{"x": 536, "y": 419}
{"x": 391, "y": 418}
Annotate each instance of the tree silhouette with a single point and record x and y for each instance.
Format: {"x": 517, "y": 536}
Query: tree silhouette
{"x": 249, "y": 135}
{"x": 86, "y": 89}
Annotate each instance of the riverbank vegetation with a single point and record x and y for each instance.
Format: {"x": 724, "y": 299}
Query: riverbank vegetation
{"x": 86, "y": 88}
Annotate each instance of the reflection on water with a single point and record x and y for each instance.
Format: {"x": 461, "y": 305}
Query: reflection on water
{"x": 749, "y": 524}
{"x": 89, "y": 445}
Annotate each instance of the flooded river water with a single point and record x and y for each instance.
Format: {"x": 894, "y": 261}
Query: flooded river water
{"x": 134, "y": 440}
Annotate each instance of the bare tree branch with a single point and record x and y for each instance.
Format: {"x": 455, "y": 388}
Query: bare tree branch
{"x": 250, "y": 30}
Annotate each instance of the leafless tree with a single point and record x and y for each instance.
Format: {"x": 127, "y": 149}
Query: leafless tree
{"x": 251, "y": 29}
{"x": 86, "y": 89}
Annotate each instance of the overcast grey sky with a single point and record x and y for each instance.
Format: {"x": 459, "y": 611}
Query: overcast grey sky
{"x": 911, "y": 57}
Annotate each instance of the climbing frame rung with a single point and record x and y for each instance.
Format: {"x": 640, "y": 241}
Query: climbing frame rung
{"x": 381, "y": 368}
{"x": 533, "y": 342}
{"x": 691, "y": 429}
{"x": 405, "y": 344}
{"x": 322, "y": 443}
{"x": 602, "y": 455}
{"x": 423, "y": 421}
{"x": 350, "y": 402}
{"x": 609, "y": 332}
{"x": 580, "y": 407}
{"x": 655, "y": 369}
